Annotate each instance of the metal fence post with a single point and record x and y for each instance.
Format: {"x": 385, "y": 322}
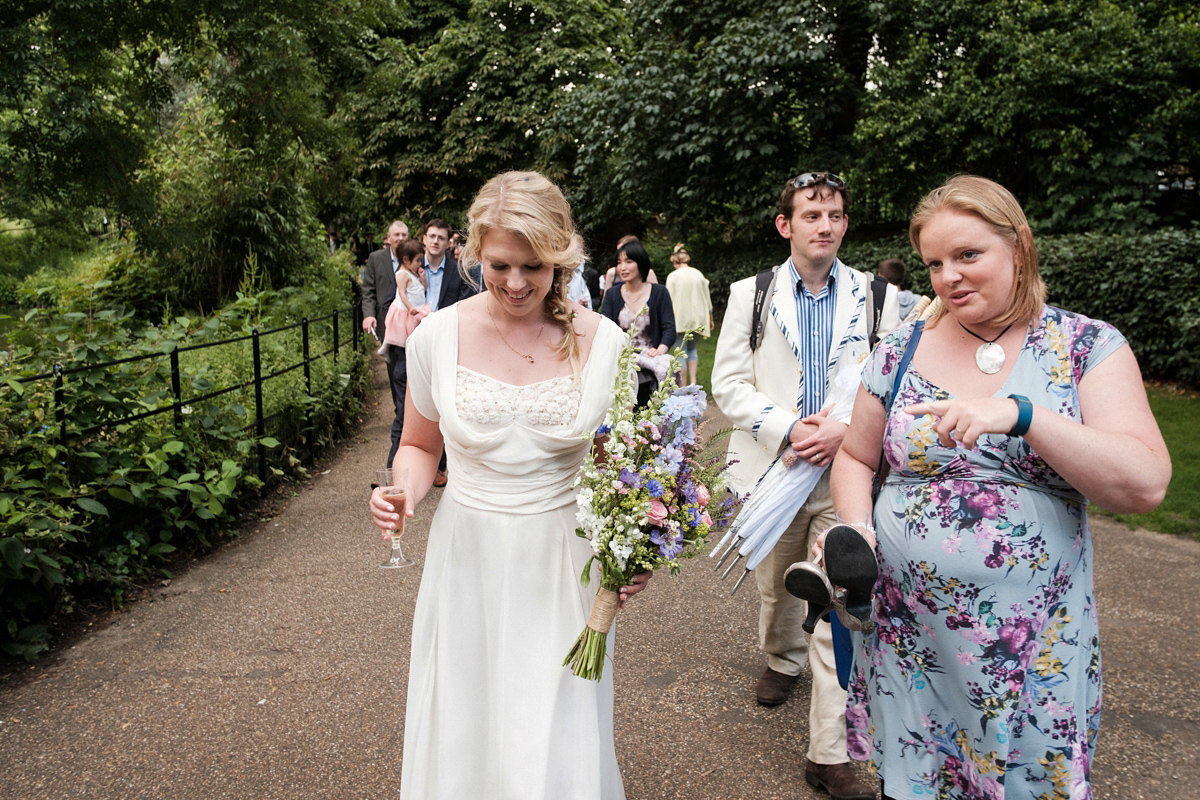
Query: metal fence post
{"x": 175, "y": 387}
{"x": 259, "y": 423}
{"x": 335, "y": 335}
{"x": 308, "y": 420}
{"x": 60, "y": 413}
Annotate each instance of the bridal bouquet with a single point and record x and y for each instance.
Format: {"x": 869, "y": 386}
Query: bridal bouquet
{"x": 645, "y": 498}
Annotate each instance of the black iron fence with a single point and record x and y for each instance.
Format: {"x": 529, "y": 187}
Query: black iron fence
{"x": 177, "y": 403}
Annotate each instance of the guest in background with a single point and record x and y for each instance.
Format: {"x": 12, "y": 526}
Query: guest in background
{"x": 692, "y": 303}
{"x": 644, "y": 309}
{"x": 610, "y": 277}
{"x": 893, "y": 270}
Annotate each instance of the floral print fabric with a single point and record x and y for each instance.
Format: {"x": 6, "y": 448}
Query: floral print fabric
{"x": 982, "y": 678}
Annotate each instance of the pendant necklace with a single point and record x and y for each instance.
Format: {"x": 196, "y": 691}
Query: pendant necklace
{"x": 990, "y": 356}
{"x": 525, "y": 356}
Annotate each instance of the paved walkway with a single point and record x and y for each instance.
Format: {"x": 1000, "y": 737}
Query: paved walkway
{"x": 276, "y": 669}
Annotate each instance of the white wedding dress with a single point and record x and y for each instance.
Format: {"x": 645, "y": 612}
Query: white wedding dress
{"x": 492, "y": 713}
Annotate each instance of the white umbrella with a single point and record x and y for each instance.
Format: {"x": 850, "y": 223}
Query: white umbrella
{"x": 769, "y": 509}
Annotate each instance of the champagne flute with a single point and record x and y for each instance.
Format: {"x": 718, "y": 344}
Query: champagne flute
{"x": 394, "y": 486}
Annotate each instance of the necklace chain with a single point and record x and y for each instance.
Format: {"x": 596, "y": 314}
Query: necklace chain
{"x": 989, "y": 357}
{"x": 536, "y": 339}
{"x": 980, "y": 338}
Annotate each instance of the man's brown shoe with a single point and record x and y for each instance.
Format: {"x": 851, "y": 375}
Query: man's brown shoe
{"x": 774, "y": 687}
{"x": 837, "y": 779}
{"x": 439, "y": 480}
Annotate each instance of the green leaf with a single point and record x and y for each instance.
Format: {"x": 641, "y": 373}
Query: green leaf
{"x": 13, "y": 552}
{"x": 92, "y": 506}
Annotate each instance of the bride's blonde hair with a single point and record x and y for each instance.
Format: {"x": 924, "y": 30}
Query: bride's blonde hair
{"x": 530, "y": 206}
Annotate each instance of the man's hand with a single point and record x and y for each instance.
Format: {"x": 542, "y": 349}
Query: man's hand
{"x": 821, "y": 444}
{"x": 368, "y": 323}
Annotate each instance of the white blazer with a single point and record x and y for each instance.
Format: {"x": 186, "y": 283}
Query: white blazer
{"x": 759, "y": 391}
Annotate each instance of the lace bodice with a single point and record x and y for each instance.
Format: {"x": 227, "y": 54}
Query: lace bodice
{"x": 487, "y": 401}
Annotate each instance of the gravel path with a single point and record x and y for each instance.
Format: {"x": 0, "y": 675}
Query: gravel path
{"x": 276, "y": 668}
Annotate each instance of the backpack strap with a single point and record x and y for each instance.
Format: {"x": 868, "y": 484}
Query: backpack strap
{"x": 875, "y": 299}
{"x": 764, "y": 283}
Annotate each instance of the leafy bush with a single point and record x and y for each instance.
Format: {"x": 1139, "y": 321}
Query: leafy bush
{"x": 92, "y": 505}
{"x": 1145, "y": 284}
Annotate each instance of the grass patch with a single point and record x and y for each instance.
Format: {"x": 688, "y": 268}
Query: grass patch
{"x": 1176, "y": 411}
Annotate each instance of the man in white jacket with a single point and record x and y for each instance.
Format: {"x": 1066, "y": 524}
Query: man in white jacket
{"x": 786, "y": 393}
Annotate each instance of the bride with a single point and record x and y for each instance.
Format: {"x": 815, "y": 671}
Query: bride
{"x": 511, "y": 381}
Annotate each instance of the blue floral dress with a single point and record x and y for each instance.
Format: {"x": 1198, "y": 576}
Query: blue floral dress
{"x": 982, "y": 678}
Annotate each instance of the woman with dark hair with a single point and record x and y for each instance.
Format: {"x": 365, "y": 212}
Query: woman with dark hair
{"x": 645, "y": 310}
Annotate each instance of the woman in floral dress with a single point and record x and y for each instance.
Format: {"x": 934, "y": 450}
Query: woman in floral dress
{"x": 982, "y": 677}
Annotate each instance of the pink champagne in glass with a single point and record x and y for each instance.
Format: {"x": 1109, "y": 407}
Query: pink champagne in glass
{"x": 394, "y": 487}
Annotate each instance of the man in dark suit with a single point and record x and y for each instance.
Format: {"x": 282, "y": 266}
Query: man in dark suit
{"x": 444, "y": 287}
{"x": 379, "y": 279}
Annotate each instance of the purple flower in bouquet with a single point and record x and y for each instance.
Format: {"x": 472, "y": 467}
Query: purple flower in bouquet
{"x": 670, "y": 543}
{"x": 631, "y": 478}
{"x": 654, "y": 487}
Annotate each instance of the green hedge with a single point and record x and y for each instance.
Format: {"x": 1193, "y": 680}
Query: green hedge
{"x": 102, "y": 515}
{"x": 1148, "y": 285}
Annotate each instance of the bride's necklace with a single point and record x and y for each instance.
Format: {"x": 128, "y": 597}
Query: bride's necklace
{"x": 536, "y": 339}
{"x": 990, "y": 356}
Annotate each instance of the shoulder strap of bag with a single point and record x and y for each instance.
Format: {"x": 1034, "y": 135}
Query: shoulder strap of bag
{"x": 763, "y": 284}
{"x": 901, "y": 368}
{"x": 875, "y": 299}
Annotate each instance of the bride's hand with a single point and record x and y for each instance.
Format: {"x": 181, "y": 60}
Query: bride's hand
{"x": 383, "y": 514}
{"x": 639, "y": 582}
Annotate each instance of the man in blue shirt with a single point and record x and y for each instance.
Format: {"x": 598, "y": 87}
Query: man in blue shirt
{"x": 778, "y": 394}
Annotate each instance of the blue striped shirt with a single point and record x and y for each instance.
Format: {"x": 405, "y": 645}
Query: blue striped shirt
{"x": 433, "y": 283}
{"x": 814, "y": 329}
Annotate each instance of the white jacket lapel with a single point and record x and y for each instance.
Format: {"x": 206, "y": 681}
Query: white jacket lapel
{"x": 849, "y": 314}
{"x": 783, "y": 308}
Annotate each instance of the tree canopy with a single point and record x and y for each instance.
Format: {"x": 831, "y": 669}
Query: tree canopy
{"x": 218, "y": 129}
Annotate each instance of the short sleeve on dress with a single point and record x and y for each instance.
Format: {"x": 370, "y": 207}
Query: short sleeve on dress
{"x": 879, "y": 371}
{"x": 1093, "y": 342}
{"x": 419, "y": 353}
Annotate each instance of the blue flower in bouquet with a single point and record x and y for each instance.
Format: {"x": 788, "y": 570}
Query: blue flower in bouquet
{"x": 654, "y": 487}
{"x": 687, "y": 403}
{"x": 670, "y": 458}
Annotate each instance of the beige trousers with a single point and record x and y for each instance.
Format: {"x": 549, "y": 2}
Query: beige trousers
{"x": 780, "y": 636}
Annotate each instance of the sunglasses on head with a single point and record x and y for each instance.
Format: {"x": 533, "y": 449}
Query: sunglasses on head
{"x": 807, "y": 179}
